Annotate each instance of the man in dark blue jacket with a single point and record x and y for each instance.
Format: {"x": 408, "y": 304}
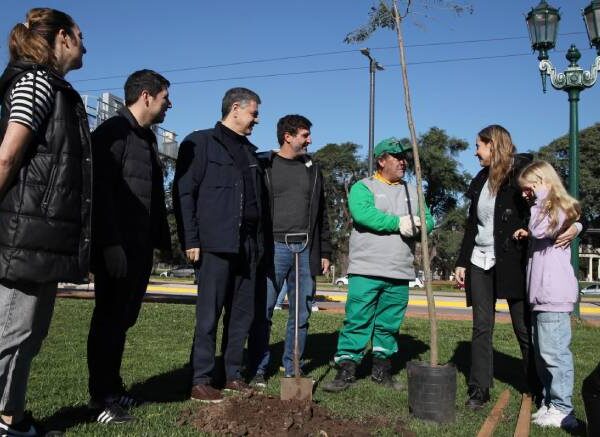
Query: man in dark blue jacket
{"x": 218, "y": 204}
{"x": 129, "y": 221}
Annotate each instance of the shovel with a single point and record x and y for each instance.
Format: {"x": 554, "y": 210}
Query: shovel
{"x": 296, "y": 388}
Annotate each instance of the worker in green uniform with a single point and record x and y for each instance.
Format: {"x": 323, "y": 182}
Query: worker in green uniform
{"x": 385, "y": 213}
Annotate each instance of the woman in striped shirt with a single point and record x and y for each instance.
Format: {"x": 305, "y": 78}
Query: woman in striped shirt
{"x": 45, "y": 195}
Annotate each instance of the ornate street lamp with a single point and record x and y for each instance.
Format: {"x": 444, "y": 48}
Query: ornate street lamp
{"x": 373, "y": 67}
{"x": 542, "y": 22}
{"x": 591, "y": 18}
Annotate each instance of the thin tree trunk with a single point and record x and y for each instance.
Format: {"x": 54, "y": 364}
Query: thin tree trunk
{"x": 424, "y": 241}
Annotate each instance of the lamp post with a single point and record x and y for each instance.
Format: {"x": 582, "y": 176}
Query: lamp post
{"x": 373, "y": 66}
{"x": 542, "y": 23}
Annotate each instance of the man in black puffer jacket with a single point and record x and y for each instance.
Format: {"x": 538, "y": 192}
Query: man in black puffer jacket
{"x": 130, "y": 220}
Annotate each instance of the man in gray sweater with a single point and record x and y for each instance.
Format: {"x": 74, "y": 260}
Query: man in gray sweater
{"x": 299, "y": 224}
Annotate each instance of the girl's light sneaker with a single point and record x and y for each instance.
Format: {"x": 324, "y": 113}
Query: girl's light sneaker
{"x": 553, "y": 418}
{"x": 540, "y": 412}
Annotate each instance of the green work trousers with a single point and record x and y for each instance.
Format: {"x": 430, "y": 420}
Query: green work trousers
{"x": 375, "y": 308}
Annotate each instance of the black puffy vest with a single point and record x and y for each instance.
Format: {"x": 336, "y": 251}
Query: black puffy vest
{"x": 45, "y": 213}
{"x": 128, "y": 181}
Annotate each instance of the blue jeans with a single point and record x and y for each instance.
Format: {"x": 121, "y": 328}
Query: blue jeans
{"x": 282, "y": 293}
{"x": 554, "y": 361}
{"x": 284, "y": 269}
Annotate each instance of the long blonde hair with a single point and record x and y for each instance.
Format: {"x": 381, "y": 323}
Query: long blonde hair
{"x": 502, "y": 150}
{"x": 558, "y": 199}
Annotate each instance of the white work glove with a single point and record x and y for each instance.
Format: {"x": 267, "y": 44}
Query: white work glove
{"x": 406, "y": 225}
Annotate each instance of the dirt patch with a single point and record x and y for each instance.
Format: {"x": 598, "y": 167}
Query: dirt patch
{"x": 254, "y": 414}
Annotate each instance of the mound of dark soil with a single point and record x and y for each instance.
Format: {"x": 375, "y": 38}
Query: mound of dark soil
{"x": 253, "y": 414}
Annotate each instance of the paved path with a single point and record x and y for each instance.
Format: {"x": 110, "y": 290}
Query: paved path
{"x": 449, "y": 304}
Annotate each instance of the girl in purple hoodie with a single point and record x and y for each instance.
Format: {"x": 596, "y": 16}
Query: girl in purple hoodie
{"x": 552, "y": 288}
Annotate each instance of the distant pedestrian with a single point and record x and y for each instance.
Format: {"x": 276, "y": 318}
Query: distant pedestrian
{"x": 218, "y": 193}
{"x": 130, "y": 221}
{"x": 45, "y": 196}
{"x": 552, "y": 289}
{"x": 298, "y": 214}
{"x": 386, "y": 224}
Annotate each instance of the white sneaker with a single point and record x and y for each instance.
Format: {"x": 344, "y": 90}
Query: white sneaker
{"x": 277, "y": 307}
{"x": 315, "y": 307}
{"x": 540, "y": 412}
{"x": 553, "y": 418}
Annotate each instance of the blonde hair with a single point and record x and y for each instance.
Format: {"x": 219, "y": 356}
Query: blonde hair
{"x": 502, "y": 150}
{"x": 34, "y": 39}
{"x": 558, "y": 199}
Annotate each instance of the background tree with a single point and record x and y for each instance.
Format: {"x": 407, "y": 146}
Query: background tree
{"x": 445, "y": 240}
{"x": 382, "y": 15}
{"x": 341, "y": 167}
{"x": 176, "y": 255}
{"x": 445, "y": 182}
{"x": 557, "y": 153}
{"x": 445, "y": 186}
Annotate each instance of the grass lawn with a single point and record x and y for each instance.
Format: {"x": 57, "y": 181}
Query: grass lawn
{"x": 158, "y": 348}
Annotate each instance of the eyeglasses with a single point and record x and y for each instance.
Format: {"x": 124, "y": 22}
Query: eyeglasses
{"x": 399, "y": 156}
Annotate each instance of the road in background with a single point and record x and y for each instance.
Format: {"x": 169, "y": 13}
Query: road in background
{"x": 449, "y": 304}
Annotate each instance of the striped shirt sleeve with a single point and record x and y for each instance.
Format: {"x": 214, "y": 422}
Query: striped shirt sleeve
{"x": 31, "y": 100}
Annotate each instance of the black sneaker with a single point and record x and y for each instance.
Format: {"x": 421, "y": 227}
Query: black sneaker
{"x": 127, "y": 400}
{"x": 478, "y": 397}
{"x": 259, "y": 381}
{"x": 25, "y": 428}
{"x": 124, "y": 399}
{"x": 344, "y": 378}
{"x": 382, "y": 374}
{"x": 114, "y": 413}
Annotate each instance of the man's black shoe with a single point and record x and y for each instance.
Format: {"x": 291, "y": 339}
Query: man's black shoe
{"x": 114, "y": 413}
{"x": 478, "y": 397}
{"x": 259, "y": 381}
{"x": 382, "y": 374}
{"x": 26, "y": 427}
{"x": 344, "y": 378}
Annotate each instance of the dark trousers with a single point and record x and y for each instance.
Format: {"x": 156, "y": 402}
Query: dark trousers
{"x": 225, "y": 281}
{"x": 590, "y": 390}
{"x": 484, "y": 303}
{"x": 118, "y": 303}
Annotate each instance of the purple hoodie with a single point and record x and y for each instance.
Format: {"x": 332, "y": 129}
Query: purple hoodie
{"x": 551, "y": 282}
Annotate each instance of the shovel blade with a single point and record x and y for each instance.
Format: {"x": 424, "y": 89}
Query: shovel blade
{"x": 299, "y": 389}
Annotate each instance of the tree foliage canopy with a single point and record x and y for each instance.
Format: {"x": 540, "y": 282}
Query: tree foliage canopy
{"x": 441, "y": 170}
{"x": 341, "y": 167}
{"x": 382, "y": 15}
{"x": 557, "y": 154}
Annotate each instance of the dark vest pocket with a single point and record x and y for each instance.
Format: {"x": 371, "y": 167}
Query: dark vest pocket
{"x": 49, "y": 189}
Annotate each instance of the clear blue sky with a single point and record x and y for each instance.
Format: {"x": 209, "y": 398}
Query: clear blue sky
{"x": 459, "y": 96}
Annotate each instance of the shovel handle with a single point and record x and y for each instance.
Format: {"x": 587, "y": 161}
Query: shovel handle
{"x": 300, "y": 235}
{"x": 297, "y": 301}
